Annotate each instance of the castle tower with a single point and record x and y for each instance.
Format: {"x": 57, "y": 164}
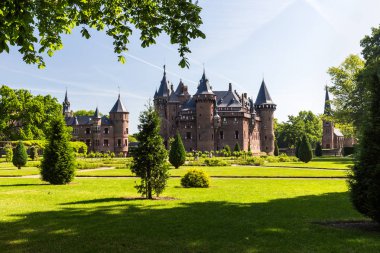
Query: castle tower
{"x": 160, "y": 100}
{"x": 205, "y": 103}
{"x": 66, "y": 107}
{"x": 119, "y": 117}
{"x": 265, "y": 108}
{"x": 328, "y": 125}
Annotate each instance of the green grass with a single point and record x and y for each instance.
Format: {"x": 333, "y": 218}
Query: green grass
{"x": 328, "y": 163}
{"x": 234, "y": 215}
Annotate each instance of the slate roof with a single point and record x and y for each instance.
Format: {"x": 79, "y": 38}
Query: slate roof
{"x": 85, "y": 120}
{"x": 164, "y": 90}
{"x": 180, "y": 91}
{"x": 227, "y": 99}
{"x": 263, "y": 96}
{"x": 204, "y": 86}
{"x": 118, "y": 107}
{"x": 327, "y": 110}
{"x": 189, "y": 104}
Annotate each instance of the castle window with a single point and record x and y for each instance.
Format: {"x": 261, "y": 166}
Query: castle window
{"x": 236, "y": 135}
{"x": 88, "y": 142}
{"x": 105, "y": 142}
{"x": 221, "y": 135}
{"x": 199, "y": 137}
{"x": 126, "y": 130}
{"x": 106, "y": 131}
{"x": 96, "y": 142}
{"x": 188, "y": 136}
{"x": 212, "y": 136}
{"x": 88, "y": 130}
{"x": 126, "y": 142}
{"x": 265, "y": 137}
{"x": 119, "y": 142}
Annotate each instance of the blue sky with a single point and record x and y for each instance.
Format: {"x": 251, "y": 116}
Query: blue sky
{"x": 289, "y": 42}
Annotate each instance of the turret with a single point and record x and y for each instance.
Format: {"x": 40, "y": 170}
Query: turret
{"x": 160, "y": 100}
{"x": 66, "y": 107}
{"x": 265, "y": 108}
{"x": 328, "y": 125}
{"x": 205, "y": 100}
{"x": 119, "y": 117}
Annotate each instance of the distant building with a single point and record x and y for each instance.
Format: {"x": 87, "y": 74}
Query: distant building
{"x": 101, "y": 134}
{"x": 209, "y": 120}
{"x": 332, "y": 138}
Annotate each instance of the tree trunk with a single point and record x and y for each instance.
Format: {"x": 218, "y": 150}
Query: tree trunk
{"x": 149, "y": 185}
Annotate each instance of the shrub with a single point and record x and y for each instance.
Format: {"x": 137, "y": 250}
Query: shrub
{"x": 348, "y": 151}
{"x": 227, "y": 150}
{"x": 318, "y": 149}
{"x": 177, "y": 154}
{"x": 237, "y": 147}
{"x": 257, "y": 161}
{"x": 33, "y": 153}
{"x": 195, "y": 178}
{"x": 58, "y": 163}
{"x": 20, "y": 157}
{"x": 215, "y": 162}
{"x": 305, "y": 152}
{"x": 8, "y": 152}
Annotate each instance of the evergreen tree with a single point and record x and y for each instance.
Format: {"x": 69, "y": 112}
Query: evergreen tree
{"x": 296, "y": 153}
{"x": 305, "y": 152}
{"x": 365, "y": 179}
{"x": 318, "y": 149}
{"x": 20, "y": 157}
{"x": 276, "y": 150}
{"x": 150, "y": 155}
{"x": 33, "y": 153}
{"x": 58, "y": 163}
{"x": 177, "y": 154}
{"x": 237, "y": 147}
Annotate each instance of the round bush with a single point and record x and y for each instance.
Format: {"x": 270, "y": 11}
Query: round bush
{"x": 195, "y": 178}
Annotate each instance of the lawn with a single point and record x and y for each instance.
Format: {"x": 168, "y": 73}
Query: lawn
{"x": 228, "y": 171}
{"x": 323, "y": 162}
{"x": 234, "y": 215}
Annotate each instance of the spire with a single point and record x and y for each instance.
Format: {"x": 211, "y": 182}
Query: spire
{"x": 327, "y": 110}
{"x": 118, "y": 107}
{"x": 96, "y": 114}
{"x": 164, "y": 90}
{"x": 204, "y": 85}
{"x": 263, "y": 96}
{"x": 66, "y": 105}
{"x": 66, "y": 101}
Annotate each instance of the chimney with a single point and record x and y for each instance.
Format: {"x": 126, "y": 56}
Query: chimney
{"x": 230, "y": 87}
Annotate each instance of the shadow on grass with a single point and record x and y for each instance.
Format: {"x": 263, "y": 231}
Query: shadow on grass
{"x": 12, "y": 185}
{"x": 114, "y": 225}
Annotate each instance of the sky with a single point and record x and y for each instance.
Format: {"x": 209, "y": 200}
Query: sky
{"x": 289, "y": 43}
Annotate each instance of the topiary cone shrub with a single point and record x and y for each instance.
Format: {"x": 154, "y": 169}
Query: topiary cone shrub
{"x": 58, "y": 163}
{"x": 318, "y": 149}
{"x": 177, "y": 154}
{"x": 195, "y": 178}
{"x": 305, "y": 152}
{"x": 20, "y": 157}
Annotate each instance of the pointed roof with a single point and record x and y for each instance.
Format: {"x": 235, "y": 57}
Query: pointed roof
{"x": 118, "y": 107}
{"x": 164, "y": 90}
{"x": 96, "y": 114}
{"x": 66, "y": 101}
{"x": 327, "y": 110}
{"x": 204, "y": 85}
{"x": 263, "y": 96}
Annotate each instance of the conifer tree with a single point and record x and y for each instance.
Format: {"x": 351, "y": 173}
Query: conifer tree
{"x": 20, "y": 157}
{"x": 305, "y": 152}
{"x": 58, "y": 163}
{"x": 237, "y": 147}
{"x": 318, "y": 149}
{"x": 276, "y": 150}
{"x": 177, "y": 154}
{"x": 33, "y": 153}
{"x": 296, "y": 153}
{"x": 150, "y": 155}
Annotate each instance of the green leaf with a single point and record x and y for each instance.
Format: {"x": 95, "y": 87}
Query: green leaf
{"x": 121, "y": 59}
{"x": 50, "y": 52}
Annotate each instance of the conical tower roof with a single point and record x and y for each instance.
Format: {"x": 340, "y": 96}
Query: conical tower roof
{"x": 263, "y": 96}
{"x": 204, "y": 85}
{"x": 327, "y": 110}
{"x": 164, "y": 90}
{"x": 118, "y": 107}
{"x": 96, "y": 114}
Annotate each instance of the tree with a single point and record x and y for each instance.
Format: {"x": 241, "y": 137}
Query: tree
{"x": 364, "y": 181}
{"x": 150, "y": 155}
{"x": 177, "y": 154}
{"x": 305, "y": 152}
{"x": 24, "y": 116}
{"x": 318, "y": 149}
{"x": 349, "y": 96}
{"x": 8, "y": 152}
{"x": 276, "y": 150}
{"x": 290, "y": 132}
{"x": 297, "y": 149}
{"x": 58, "y": 163}
{"x": 237, "y": 147}
{"x": 20, "y": 157}
{"x": 36, "y": 27}
{"x": 33, "y": 153}
{"x": 85, "y": 113}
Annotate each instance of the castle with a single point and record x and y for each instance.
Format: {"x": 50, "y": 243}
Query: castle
{"x": 209, "y": 120}
{"x": 101, "y": 134}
